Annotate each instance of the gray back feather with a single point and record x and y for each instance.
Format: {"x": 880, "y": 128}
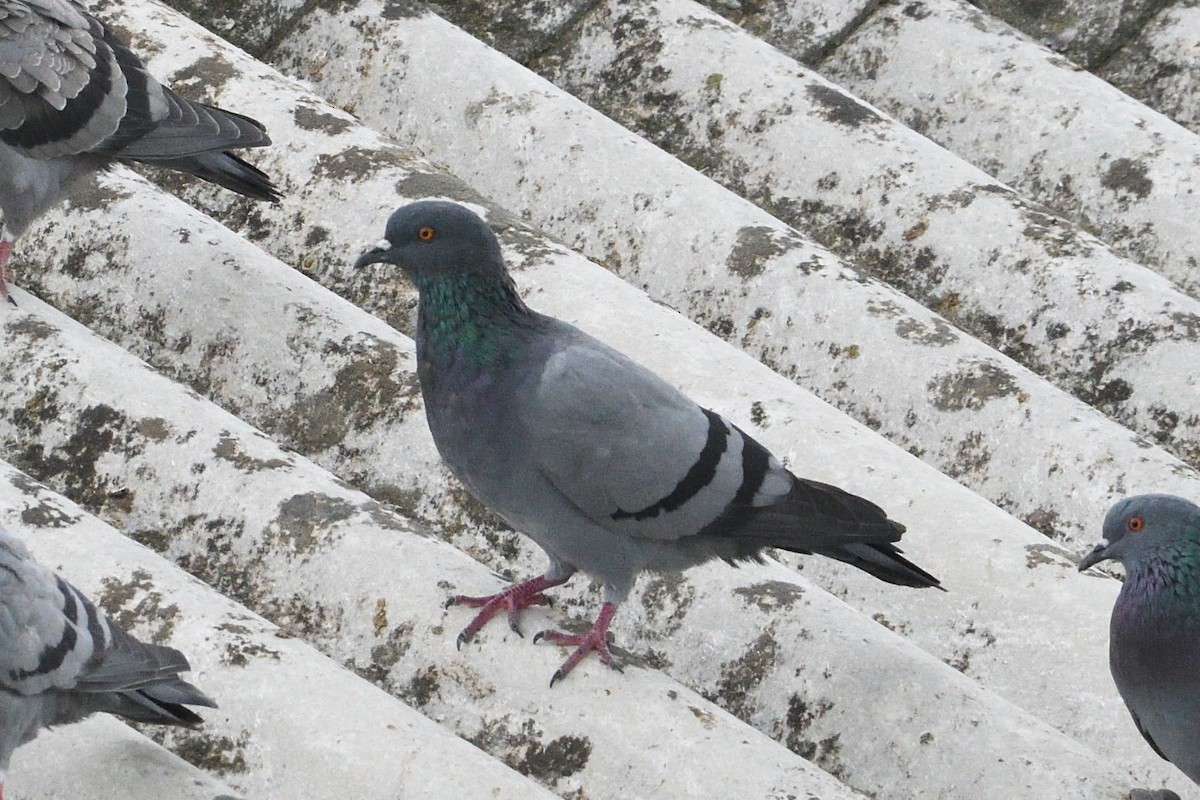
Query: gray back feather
{"x": 54, "y": 640}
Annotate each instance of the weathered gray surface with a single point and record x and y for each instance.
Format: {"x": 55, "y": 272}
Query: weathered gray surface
{"x": 103, "y": 757}
{"x": 319, "y": 375}
{"x": 1161, "y": 66}
{"x": 1020, "y": 278}
{"x": 361, "y": 583}
{"x": 291, "y": 723}
{"x": 744, "y": 275}
{"x": 1086, "y": 31}
{"x": 289, "y": 539}
{"x": 1083, "y": 148}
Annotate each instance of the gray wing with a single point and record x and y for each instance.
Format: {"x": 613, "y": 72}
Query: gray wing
{"x": 1146, "y": 735}
{"x": 54, "y": 638}
{"x": 636, "y": 455}
{"x": 62, "y": 91}
{"x": 68, "y": 86}
{"x": 639, "y": 458}
{"x": 50, "y": 633}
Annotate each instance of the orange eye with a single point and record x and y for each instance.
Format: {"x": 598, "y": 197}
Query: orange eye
{"x": 1135, "y": 524}
{"x": 425, "y": 233}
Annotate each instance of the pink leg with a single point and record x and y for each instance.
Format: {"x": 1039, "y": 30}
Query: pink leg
{"x": 6, "y": 279}
{"x": 514, "y": 598}
{"x": 595, "y": 639}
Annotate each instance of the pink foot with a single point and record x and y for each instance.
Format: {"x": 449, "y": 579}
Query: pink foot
{"x": 515, "y": 598}
{"x": 595, "y": 639}
{"x": 6, "y": 279}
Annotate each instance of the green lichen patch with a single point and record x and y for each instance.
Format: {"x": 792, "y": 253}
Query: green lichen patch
{"x": 756, "y": 246}
{"x": 46, "y": 513}
{"x": 316, "y": 119}
{"x": 217, "y": 755}
{"x": 302, "y": 516}
{"x": 1037, "y": 555}
{"x": 421, "y": 185}
{"x": 372, "y": 387}
{"x": 939, "y": 334}
{"x": 117, "y": 596}
{"x": 801, "y": 715}
{"x": 970, "y": 387}
{"x": 971, "y": 457}
{"x": 420, "y": 690}
{"x": 229, "y": 448}
{"x": 240, "y": 652}
{"x": 524, "y": 748}
{"x": 156, "y": 429}
{"x": 402, "y": 9}
{"x": 1129, "y": 177}
{"x": 71, "y": 467}
{"x": 741, "y": 676}
{"x": 666, "y": 599}
{"x": 204, "y": 78}
{"x": 770, "y": 596}
{"x": 359, "y": 163}
{"x": 758, "y": 414}
{"x": 1046, "y": 521}
{"x": 841, "y": 108}
{"x": 386, "y": 654}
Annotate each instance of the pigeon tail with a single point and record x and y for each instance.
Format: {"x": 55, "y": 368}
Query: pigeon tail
{"x": 162, "y": 704}
{"x": 224, "y": 169}
{"x": 884, "y": 562}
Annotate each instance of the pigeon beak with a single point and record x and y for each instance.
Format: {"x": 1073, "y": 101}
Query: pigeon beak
{"x": 375, "y": 255}
{"x": 1099, "y": 553}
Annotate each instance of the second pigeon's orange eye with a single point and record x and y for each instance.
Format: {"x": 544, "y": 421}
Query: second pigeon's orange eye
{"x": 425, "y": 233}
{"x": 1135, "y": 524}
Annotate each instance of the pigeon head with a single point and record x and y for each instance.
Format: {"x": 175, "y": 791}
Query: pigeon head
{"x": 1144, "y": 525}
{"x": 435, "y": 239}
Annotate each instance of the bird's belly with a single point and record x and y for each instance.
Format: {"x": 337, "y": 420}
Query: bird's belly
{"x": 1160, "y": 684}
{"x": 30, "y": 185}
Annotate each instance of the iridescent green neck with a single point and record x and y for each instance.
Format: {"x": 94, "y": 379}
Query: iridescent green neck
{"x": 1168, "y": 577}
{"x": 469, "y": 319}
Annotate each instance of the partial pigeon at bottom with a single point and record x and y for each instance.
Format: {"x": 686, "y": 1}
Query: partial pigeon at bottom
{"x": 1154, "y": 634}
{"x": 74, "y": 99}
{"x": 607, "y": 467}
{"x": 61, "y": 660}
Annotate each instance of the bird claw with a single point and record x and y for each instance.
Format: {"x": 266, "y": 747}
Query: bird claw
{"x": 515, "y": 599}
{"x": 6, "y": 275}
{"x": 596, "y": 639}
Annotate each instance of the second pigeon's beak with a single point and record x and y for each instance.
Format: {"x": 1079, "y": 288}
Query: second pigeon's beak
{"x": 1099, "y": 553}
{"x": 378, "y": 253}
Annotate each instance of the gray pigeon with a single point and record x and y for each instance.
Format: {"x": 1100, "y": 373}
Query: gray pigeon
{"x": 61, "y": 660}
{"x": 603, "y": 464}
{"x": 74, "y": 99}
{"x": 1154, "y": 634}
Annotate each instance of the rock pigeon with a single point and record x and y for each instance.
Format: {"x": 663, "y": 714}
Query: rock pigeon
{"x": 74, "y": 99}
{"x": 61, "y": 660}
{"x": 603, "y": 464}
{"x": 1154, "y": 634}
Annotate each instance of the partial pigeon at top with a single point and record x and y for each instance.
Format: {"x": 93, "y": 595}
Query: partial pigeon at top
{"x": 74, "y": 99}
{"x": 1154, "y": 634}
{"x": 602, "y": 463}
{"x": 61, "y": 660}
{"x": 1155, "y": 631}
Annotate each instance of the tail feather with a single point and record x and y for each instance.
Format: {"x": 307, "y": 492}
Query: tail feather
{"x": 161, "y": 704}
{"x": 225, "y": 169}
{"x": 826, "y": 520}
{"x": 885, "y": 562}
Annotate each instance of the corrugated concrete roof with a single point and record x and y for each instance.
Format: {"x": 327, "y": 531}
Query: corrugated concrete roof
{"x": 960, "y": 240}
